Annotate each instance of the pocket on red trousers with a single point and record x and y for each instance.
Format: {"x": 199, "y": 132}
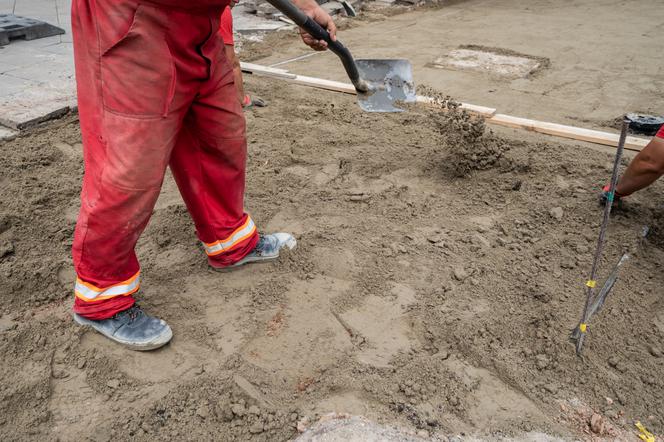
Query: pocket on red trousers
{"x": 138, "y": 71}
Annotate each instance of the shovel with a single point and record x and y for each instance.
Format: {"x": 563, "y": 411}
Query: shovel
{"x": 379, "y": 83}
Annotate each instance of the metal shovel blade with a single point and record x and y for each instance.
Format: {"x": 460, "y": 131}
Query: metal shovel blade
{"x": 390, "y": 82}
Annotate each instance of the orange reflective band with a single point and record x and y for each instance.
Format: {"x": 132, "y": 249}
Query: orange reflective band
{"x": 241, "y": 234}
{"x": 89, "y": 292}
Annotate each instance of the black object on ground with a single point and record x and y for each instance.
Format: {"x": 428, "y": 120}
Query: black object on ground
{"x": 644, "y": 124}
{"x": 14, "y": 27}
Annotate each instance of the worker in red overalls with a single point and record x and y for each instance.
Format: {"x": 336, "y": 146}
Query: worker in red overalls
{"x": 646, "y": 168}
{"x": 226, "y": 33}
{"x": 155, "y": 90}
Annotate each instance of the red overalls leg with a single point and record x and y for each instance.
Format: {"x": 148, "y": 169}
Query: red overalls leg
{"x": 138, "y": 70}
{"x": 209, "y": 161}
{"x": 128, "y": 134}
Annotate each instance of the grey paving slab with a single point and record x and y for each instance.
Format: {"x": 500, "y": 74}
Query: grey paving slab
{"x": 41, "y": 42}
{"x": 39, "y": 9}
{"x": 64, "y": 48}
{"x": 31, "y": 56}
{"x": 245, "y": 23}
{"x": 11, "y": 85}
{"x": 6, "y": 6}
{"x": 5, "y": 67}
{"x": 37, "y": 76}
{"x": 6, "y": 133}
{"x": 57, "y": 70}
{"x": 18, "y": 54}
{"x": 35, "y": 104}
{"x": 50, "y": 11}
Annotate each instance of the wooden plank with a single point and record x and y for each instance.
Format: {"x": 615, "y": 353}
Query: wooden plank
{"x": 338, "y": 86}
{"x": 348, "y": 88}
{"x": 564, "y": 131}
{"x": 303, "y": 80}
{"x": 320, "y": 83}
{"x": 473, "y": 108}
{"x": 482, "y": 110}
{"x": 258, "y": 69}
{"x": 555, "y": 129}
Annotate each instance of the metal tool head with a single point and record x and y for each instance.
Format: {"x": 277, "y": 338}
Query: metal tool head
{"x": 389, "y": 81}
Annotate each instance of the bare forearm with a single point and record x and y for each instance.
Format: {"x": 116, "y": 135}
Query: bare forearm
{"x": 644, "y": 169}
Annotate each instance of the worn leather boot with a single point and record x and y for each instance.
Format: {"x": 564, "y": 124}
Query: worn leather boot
{"x": 132, "y": 328}
{"x": 267, "y": 249}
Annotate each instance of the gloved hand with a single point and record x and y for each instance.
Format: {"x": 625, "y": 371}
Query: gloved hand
{"x": 604, "y": 196}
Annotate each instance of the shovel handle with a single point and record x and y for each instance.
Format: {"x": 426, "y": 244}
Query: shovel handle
{"x": 317, "y": 31}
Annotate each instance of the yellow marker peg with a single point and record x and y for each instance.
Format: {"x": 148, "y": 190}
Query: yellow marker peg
{"x": 644, "y": 434}
{"x": 591, "y": 283}
{"x": 583, "y": 327}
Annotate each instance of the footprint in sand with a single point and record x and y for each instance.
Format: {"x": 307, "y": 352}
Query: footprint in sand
{"x": 76, "y": 408}
{"x": 383, "y": 323}
{"x": 309, "y": 337}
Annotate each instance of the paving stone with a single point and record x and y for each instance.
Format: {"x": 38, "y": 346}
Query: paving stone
{"x": 14, "y": 27}
{"x": 6, "y": 67}
{"x": 6, "y": 133}
{"x": 38, "y": 103}
{"x": 55, "y": 12}
{"x": 250, "y": 23}
{"x": 64, "y": 48}
{"x": 10, "y": 85}
{"x": 53, "y": 69}
{"x": 496, "y": 63}
{"x": 333, "y": 7}
{"x": 37, "y": 77}
{"x": 355, "y": 428}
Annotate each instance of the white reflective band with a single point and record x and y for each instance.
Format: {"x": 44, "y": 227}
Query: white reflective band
{"x": 88, "y": 292}
{"x": 237, "y": 237}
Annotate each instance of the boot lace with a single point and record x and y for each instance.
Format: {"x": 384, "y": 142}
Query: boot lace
{"x": 133, "y": 312}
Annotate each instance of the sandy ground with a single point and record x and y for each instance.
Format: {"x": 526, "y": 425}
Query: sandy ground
{"x": 604, "y": 59}
{"x": 433, "y": 288}
{"x": 416, "y": 297}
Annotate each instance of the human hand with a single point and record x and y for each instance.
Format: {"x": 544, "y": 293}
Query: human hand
{"x": 605, "y": 196}
{"x": 314, "y": 11}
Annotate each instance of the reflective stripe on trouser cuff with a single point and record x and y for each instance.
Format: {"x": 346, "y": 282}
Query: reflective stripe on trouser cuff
{"x": 88, "y": 292}
{"x": 246, "y": 231}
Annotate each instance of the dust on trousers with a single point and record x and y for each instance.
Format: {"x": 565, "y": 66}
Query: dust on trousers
{"x": 154, "y": 90}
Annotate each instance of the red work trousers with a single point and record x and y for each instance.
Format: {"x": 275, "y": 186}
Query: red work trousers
{"x": 154, "y": 90}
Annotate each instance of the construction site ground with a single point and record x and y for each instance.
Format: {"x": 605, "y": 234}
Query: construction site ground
{"x": 439, "y": 271}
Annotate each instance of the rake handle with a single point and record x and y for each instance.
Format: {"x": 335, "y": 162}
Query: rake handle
{"x": 315, "y": 30}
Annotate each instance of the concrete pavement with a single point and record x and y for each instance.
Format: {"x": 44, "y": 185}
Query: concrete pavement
{"x": 37, "y": 77}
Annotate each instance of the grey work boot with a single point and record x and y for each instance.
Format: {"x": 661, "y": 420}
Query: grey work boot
{"x": 267, "y": 249}
{"x": 132, "y": 328}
